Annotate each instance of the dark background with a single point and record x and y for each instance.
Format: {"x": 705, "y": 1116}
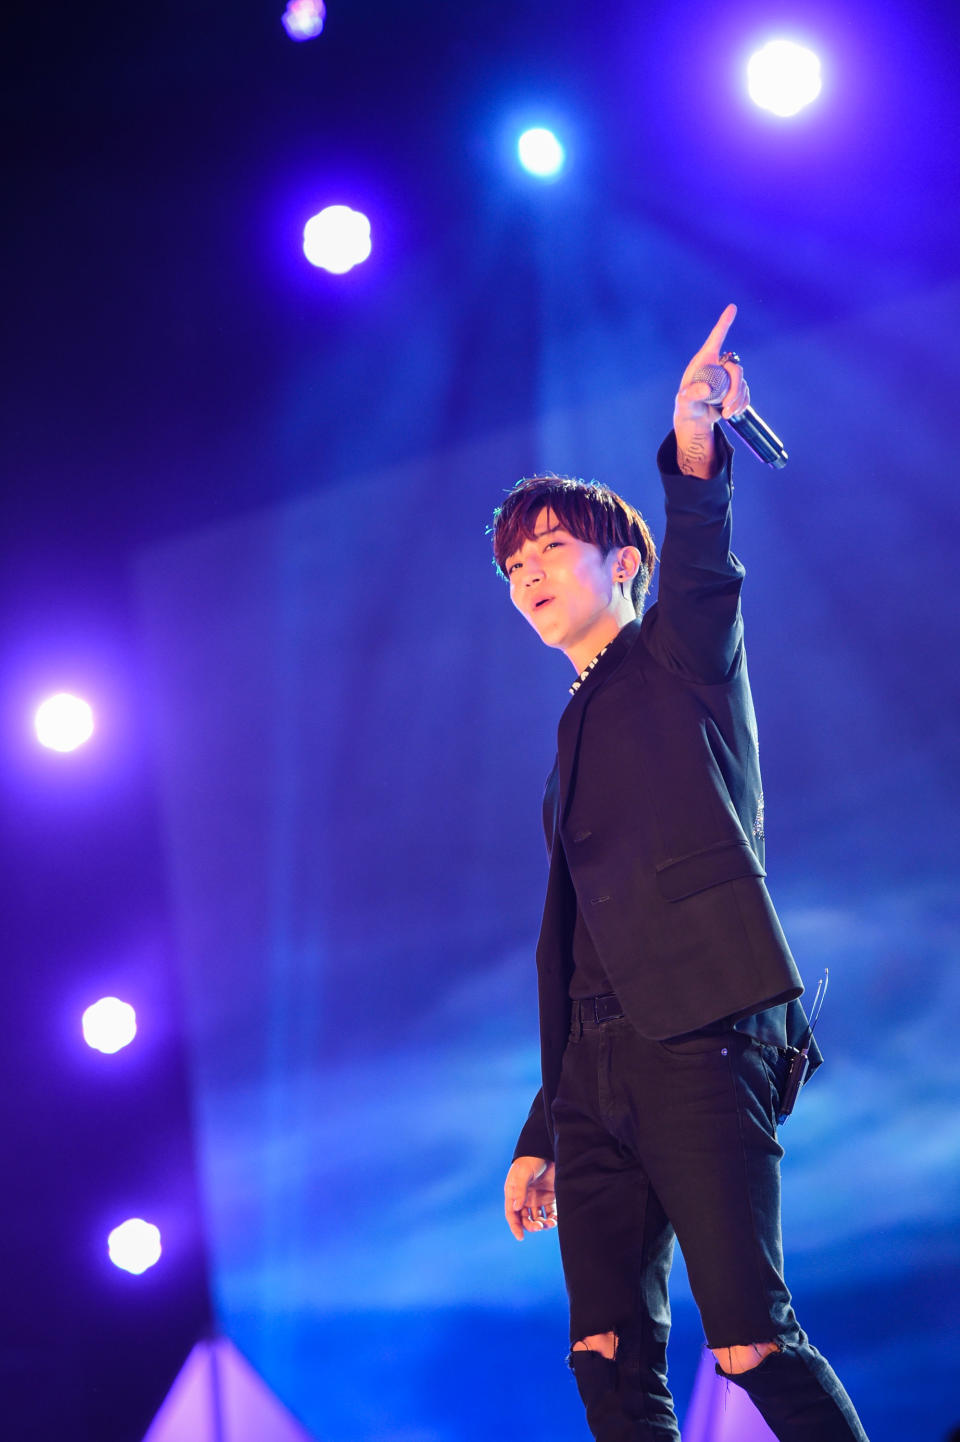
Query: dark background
{"x": 244, "y": 505}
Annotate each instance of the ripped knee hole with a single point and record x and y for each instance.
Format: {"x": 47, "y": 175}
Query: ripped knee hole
{"x": 605, "y": 1343}
{"x": 735, "y": 1360}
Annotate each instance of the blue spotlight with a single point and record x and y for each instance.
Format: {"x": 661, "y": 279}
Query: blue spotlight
{"x": 337, "y": 239}
{"x": 303, "y": 19}
{"x": 783, "y": 77}
{"x": 541, "y": 153}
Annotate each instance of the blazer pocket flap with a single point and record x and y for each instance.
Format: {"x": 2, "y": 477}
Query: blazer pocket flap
{"x": 726, "y": 861}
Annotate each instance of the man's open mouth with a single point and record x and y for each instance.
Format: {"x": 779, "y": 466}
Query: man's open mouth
{"x": 544, "y": 601}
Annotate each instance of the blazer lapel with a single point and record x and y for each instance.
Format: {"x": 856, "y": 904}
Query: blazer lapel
{"x": 571, "y": 722}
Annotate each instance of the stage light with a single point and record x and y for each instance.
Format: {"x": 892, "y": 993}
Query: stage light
{"x": 109, "y": 1025}
{"x": 63, "y": 722}
{"x": 304, "y": 19}
{"x": 134, "y": 1245}
{"x": 783, "y": 77}
{"x": 337, "y": 239}
{"x": 541, "y": 153}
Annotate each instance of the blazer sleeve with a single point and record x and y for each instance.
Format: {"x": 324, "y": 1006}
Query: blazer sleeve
{"x": 696, "y": 629}
{"x": 534, "y": 1139}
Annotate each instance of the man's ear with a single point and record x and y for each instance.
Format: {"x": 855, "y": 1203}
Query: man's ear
{"x": 626, "y": 563}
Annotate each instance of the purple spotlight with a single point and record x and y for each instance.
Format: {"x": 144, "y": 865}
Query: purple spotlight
{"x": 109, "y": 1025}
{"x": 304, "y": 19}
{"x": 134, "y": 1245}
{"x": 63, "y": 722}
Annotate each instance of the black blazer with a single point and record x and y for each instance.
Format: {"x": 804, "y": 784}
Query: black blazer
{"x": 653, "y": 812}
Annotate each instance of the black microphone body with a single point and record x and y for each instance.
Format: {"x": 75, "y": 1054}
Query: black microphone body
{"x": 755, "y": 432}
{"x": 796, "y": 1077}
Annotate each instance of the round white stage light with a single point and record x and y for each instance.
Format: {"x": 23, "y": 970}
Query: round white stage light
{"x": 540, "y": 152}
{"x": 109, "y": 1025}
{"x": 337, "y": 239}
{"x": 783, "y": 77}
{"x": 63, "y": 722}
{"x": 134, "y": 1245}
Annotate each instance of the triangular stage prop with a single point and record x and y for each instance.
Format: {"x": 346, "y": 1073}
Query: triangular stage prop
{"x": 218, "y": 1397}
{"x": 720, "y": 1411}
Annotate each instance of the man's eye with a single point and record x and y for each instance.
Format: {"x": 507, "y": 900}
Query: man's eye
{"x": 550, "y": 545}
{"x": 514, "y": 567}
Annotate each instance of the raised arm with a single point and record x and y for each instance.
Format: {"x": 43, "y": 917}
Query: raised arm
{"x": 696, "y": 628}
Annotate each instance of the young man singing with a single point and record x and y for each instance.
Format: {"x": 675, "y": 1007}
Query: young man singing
{"x": 668, "y": 994}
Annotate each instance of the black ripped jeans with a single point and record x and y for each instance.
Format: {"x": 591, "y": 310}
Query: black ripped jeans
{"x": 657, "y": 1140}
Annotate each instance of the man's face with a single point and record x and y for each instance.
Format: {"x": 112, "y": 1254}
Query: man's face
{"x": 563, "y": 586}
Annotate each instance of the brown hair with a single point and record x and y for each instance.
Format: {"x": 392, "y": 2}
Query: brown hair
{"x": 586, "y": 509}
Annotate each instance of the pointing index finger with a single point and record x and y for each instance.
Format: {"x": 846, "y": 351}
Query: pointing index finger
{"x": 718, "y": 335}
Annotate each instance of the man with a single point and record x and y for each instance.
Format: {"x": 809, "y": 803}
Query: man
{"x": 668, "y": 995}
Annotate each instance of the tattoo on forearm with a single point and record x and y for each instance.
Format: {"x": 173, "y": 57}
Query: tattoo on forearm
{"x": 693, "y": 459}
